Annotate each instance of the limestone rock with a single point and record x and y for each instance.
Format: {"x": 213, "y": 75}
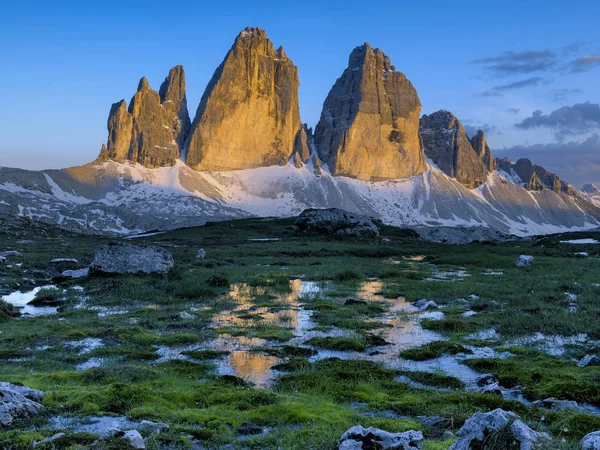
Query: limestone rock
{"x": 591, "y": 441}
{"x": 369, "y": 124}
{"x": 249, "y": 115}
{"x": 301, "y": 144}
{"x": 336, "y": 221}
{"x": 359, "y": 438}
{"x": 18, "y": 402}
{"x": 524, "y": 260}
{"x": 534, "y": 177}
{"x": 123, "y": 258}
{"x": 499, "y": 429}
{"x": 154, "y": 127}
{"x": 318, "y": 166}
{"x": 447, "y": 144}
{"x": 480, "y": 146}
{"x": 589, "y": 360}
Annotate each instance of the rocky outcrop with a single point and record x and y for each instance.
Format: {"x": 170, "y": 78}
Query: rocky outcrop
{"x": 18, "y": 402}
{"x": 369, "y": 124}
{"x": 498, "y": 429}
{"x": 479, "y": 144}
{"x": 534, "y": 177}
{"x": 591, "y": 441}
{"x": 358, "y": 437}
{"x": 123, "y": 258}
{"x": 335, "y": 221}
{"x": 249, "y": 115}
{"x": 448, "y": 146}
{"x": 153, "y": 129}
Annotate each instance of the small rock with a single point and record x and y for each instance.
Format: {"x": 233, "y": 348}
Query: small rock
{"x": 591, "y": 441}
{"x": 249, "y": 428}
{"x": 48, "y": 439}
{"x": 359, "y": 438}
{"x": 18, "y": 402}
{"x": 493, "y": 389}
{"x": 474, "y": 297}
{"x": 424, "y": 304}
{"x": 135, "y": 439}
{"x": 486, "y": 379}
{"x": 152, "y": 427}
{"x": 185, "y": 315}
{"x": 524, "y": 260}
{"x": 581, "y": 254}
{"x": 78, "y": 273}
{"x": 589, "y": 360}
{"x": 201, "y": 254}
{"x": 481, "y": 426}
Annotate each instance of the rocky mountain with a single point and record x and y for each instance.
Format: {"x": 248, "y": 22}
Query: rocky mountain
{"x": 154, "y": 127}
{"x": 448, "y": 146}
{"x": 369, "y": 126}
{"x": 123, "y": 198}
{"x": 249, "y": 114}
{"x": 248, "y": 154}
{"x": 533, "y": 177}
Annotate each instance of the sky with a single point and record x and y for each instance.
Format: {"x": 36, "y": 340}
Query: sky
{"x": 527, "y": 72}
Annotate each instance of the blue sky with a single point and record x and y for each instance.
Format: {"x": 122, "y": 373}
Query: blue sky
{"x": 491, "y": 63}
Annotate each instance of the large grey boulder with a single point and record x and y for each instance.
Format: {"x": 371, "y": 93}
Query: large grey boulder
{"x": 591, "y": 441}
{"x": 360, "y": 438}
{"x": 18, "y": 402}
{"x": 336, "y": 221}
{"x": 123, "y": 258}
{"x": 498, "y": 427}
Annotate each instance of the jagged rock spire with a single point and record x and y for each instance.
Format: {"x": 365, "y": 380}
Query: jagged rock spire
{"x": 154, "y": 127}
{"x": 370, "y": 121}
{"x": 447, "y": 144}
{"x": 249, "y": 115}
{"x": 479, "y": 144}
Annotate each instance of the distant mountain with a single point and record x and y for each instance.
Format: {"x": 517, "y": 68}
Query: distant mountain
{"x": 246, "y": 153}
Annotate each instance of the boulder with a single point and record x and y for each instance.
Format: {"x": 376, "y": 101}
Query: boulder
{"x": 336, "y": 221}
{"x": 359, "y": 438}
{"x": 369, "y": 126}
{"x": 524, "y": 261}
{"x": 201, "y": 254}
{"x": 424, "y": 304}
{"x": 18, "y": 402}
{"x": 499, "y": 429}
{"x": 249, "y": 115}
{"x": 557, "y": 405}
{"x": 589, "y": 360}
{"x": 591, "y": 441}
{"x": 446, "y": 143}
{"x": 124, "y": 258}
{"x": 135, "y": 439}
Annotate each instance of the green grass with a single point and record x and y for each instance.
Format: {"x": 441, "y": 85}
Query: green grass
{"x": 433, "y": 350}
{"x": 309, "y": 404}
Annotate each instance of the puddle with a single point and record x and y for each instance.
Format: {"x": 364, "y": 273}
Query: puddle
{"x": 21, "y": 300}
{"x": 90, "y": 363}
{"x": 448, "y": 275}
{"x": 86, "y": 345}
{"x": 264, "y": 239}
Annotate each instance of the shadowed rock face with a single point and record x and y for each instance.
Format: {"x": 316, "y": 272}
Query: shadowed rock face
{"x": 249, "y": 115}
{"x": 480, "y": 146}
{"x": 153, "y": 129}
{"x": 534, "y": 177}
{"x": 369, "y": 126}
{"x": 447, "y": 144}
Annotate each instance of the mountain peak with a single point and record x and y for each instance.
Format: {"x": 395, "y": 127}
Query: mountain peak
{"x": 447, "y": 144}
{"x": 143, "y": 84}
{"x": 369, "y": 124}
